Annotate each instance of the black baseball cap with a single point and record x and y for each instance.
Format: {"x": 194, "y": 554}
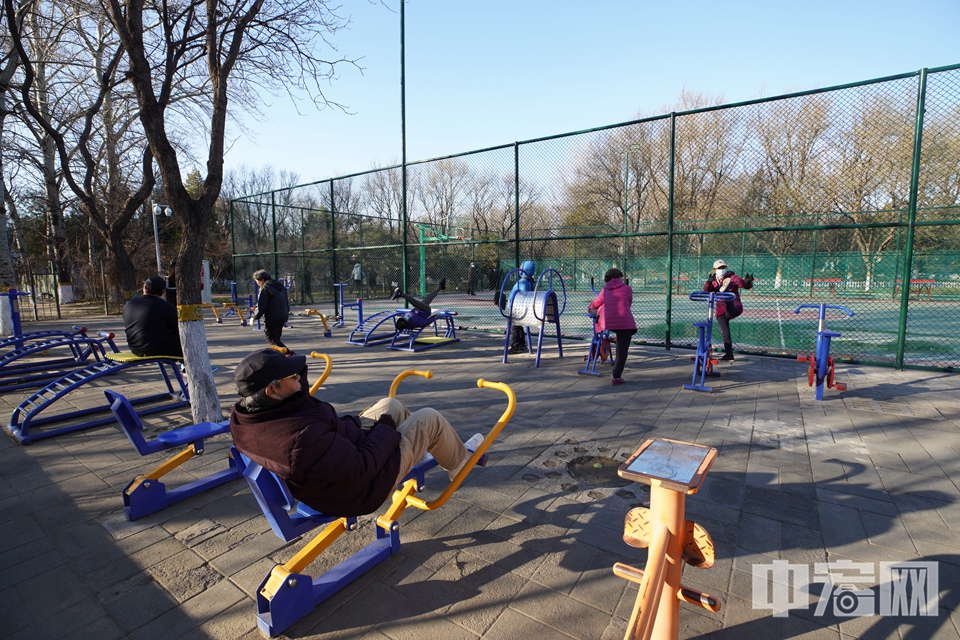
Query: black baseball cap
{"x": 155, "y": 285}
{"x": 260, "y": 368}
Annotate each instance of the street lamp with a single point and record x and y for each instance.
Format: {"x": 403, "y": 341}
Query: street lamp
{"x": 159, "y": 210}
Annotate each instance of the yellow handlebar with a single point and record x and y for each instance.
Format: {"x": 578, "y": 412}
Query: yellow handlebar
{"x": 405, "y": 374}
{"x": 326, "y": 371}
{"x": 476, "y": 455}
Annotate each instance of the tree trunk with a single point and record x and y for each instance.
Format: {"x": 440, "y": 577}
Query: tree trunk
{"x": 204, "y": 399}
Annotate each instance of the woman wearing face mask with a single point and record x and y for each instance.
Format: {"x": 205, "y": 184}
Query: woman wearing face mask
{"x": 724, "y": 280}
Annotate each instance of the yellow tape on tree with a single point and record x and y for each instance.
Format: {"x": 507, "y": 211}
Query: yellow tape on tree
{"x": 189, "y": 312}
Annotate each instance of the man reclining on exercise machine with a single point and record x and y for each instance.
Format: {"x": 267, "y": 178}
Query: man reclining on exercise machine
{"x": 330, "y": 462}
{"x": 419, "y": 316}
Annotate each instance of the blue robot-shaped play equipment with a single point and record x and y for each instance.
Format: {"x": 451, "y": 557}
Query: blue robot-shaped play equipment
{"x": 532, "y": 304}
{"x": 703, "y": 361}
{"x": 820, "y": 364}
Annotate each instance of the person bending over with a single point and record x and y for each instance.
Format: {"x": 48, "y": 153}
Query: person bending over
{"x": 150, "y": 322}
{"x": 329, "y": 461}
{"x": 419, "y": 316}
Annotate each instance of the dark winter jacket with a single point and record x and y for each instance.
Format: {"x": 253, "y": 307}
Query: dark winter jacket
{"x": 328, "y": 461}
{"x": 150, "y": 323}
{"x": 730, "y": 283}
{"x": 272, "y": 304}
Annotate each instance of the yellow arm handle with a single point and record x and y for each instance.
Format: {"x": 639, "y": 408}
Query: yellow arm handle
{"x": 414, "y": 501}
{"x": 406, "y": 374}
{"x": 323, "y": 318}
{"x": 326, "y": 371}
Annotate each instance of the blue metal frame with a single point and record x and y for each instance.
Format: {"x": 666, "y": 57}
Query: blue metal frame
{"x": 300, "y": 593}
{"x": 15, "y": 374}
{"x": 821, "y": 364}
{"x": 365, "y": 333}
{"x": 406, "y": 340}
{"x": 342, "y": 307}
{"x": 146, "y": 494}
{"x": 601, "y": 339}
{"x": 17, "y": 340}
{"x": 703, "y": 361}
{"x": 545, "y": 307}
{"x": 54, "y": 391}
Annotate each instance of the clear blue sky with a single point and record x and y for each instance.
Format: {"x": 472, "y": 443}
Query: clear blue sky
{"x": 481, "y": 74}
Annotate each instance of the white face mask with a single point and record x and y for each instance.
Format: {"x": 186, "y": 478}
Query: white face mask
{"x": 721, "y": 272}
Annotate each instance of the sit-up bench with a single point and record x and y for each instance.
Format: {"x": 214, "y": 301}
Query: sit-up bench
{"x": 286, "y": 595}
{"x": 46, "y": 357}
{"x": 146, "y": 494}
{"x": 26, "y": 416}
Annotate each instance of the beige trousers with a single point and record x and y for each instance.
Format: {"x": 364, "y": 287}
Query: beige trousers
{"x": 424, "y": 430}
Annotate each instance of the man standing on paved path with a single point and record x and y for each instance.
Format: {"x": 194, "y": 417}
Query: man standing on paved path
{"x": 272, "y": 306}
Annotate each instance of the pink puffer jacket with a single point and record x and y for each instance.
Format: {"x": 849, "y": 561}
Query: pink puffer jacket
{"x": 613, "y": 304}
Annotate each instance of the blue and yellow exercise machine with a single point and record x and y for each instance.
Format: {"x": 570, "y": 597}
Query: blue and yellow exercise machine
{"x": 147, "y": 493}
{"x": 286, "y": 595}
{"x": 18, "y": 338}
{"x": 601, "y": 346}
{"x": 44, "y": 358}
{"x": 438, "y": 329}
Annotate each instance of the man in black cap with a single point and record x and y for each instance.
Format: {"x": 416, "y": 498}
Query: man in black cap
{"x": 329, "y": 462}
{"x": 150, "y": 322}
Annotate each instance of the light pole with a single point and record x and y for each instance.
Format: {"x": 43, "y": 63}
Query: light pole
{"x": 159, "y": 210}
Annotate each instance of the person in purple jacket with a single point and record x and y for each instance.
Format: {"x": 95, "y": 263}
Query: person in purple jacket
{"x": 330, "y": 462}
{"x": 723, "y": 280}
{"x": 612, "y": 307}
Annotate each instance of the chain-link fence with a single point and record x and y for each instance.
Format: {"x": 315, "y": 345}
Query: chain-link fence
{"x": 847, "y": 196}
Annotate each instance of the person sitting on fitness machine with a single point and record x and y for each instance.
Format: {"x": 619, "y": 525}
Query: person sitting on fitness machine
{"x": 330, "y": 462}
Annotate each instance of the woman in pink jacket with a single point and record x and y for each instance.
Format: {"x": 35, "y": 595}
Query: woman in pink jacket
{"x": 613, "y": 310}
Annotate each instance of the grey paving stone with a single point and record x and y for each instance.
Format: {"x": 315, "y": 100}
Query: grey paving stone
{"x": 523, "y": 547}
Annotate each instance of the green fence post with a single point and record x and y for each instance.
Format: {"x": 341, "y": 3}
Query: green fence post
{"x": 911, "y": 220}
{"x": 273, "y": 219}
{"x": 516, "y": 204}
{"x": 673, "y": 158}
{"x": 813, "y": 263}
{"x": 333, "y": 252}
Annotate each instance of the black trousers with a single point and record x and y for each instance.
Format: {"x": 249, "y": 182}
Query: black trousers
{"x": 271, "y": 333}
{"x": 518, "y": 340}
{"x": 623, "y": 346}
{"x": 724, "y": 321}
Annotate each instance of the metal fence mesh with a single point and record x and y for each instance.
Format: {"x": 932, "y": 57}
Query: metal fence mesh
{"x": 826, "y": 197}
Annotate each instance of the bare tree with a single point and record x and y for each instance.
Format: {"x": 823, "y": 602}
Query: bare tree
{"x": 227, "y": 49}
{"x": 9, "y": 61}
{"x": 79, "y": 116}
{"x": 793, "y": 138}
{"x": 869, "y": 180}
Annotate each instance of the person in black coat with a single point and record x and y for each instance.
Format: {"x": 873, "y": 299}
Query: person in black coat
{"x": 272, "y": 306}
{"x": 150, "y": 322}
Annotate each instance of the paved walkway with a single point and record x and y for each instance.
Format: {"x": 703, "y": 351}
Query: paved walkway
{"x": 525, "y": 548}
